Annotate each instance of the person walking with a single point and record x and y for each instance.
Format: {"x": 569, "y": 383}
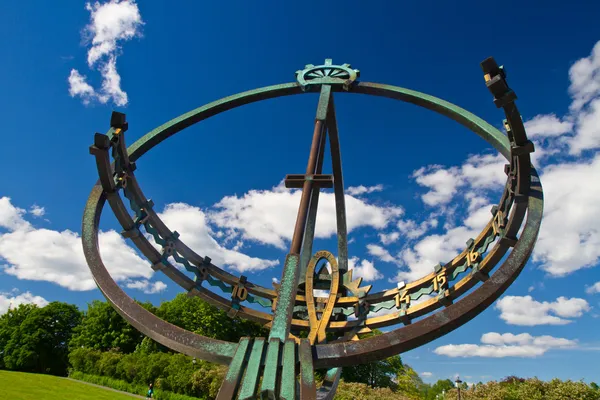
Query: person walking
{"x": 150, "y": 392}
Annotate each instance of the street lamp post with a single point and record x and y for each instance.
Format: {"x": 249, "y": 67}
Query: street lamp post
{"x": 458, "y": 382}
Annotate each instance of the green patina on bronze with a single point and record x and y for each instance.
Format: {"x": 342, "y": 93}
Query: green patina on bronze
{"x": 268, "y": 386}
{"x": 286, "y": 299}
{"x": 248, "y": 389}
{"x": 235, "y": 370}
{"x": 288, "y": 372}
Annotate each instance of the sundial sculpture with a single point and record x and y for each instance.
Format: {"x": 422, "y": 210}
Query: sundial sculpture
{"x": 282, "y": 365}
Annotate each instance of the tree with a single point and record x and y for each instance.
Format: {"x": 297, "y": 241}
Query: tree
{"x": 40, "y": 343}
{"x": 383, "y": 373}
{"x": 409, "y": 383}
{"x": 102, "y": 328}
{"x": 196, "y": 315}
{"x": 442, "y": 385}
{"x": 9, "y": 322}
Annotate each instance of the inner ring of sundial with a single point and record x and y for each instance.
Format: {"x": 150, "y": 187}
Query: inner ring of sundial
{"x": 522, "y": 195}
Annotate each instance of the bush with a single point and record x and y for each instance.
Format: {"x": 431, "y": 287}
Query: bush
{"x": 354, "y": 390}
{"x": 530, "y": 389}
{"x": 169, "y": 372}
{"x": 84, "y": 360}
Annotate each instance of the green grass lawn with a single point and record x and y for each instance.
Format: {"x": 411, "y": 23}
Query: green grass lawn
{"x": 22, "y": 386}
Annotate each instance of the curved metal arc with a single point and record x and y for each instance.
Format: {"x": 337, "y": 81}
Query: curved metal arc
{"x": 150, "y": 325}
{"x": 453, "y": 316}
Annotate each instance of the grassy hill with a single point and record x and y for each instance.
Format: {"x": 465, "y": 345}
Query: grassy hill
{"x": 24, "y": 386}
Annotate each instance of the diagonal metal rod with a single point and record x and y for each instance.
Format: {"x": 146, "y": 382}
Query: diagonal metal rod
{"x": 288, "y": 288}
{"x": 338, "y": 187}
{"x": 309, "y": 232}
{"x": 311, "y": 169}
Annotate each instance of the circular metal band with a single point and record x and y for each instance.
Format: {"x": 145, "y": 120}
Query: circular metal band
{"x": 345, "y": 353}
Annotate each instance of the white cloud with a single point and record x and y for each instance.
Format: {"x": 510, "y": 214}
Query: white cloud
{"x": 442, "y": 182}
{"x": 359, "y": 190}
{"x": 380, "y": 252}
{"x": 191, "y": 223}
{"x": 269, "y": 216}
{"x": 11, "y": 217}
{"x": 585, "y": 80}
{"x": 547, "y": 126}
{"x": 78, "y": 86}
{"x": 479, "y": 171}
{"x": 320, "y": 293}
{"x": 57, "y": 256}
{"x": 387, "y": 238}
{"x": 569, "y": 238}
{"x": 411, "y": 230}
{"x": 37, "y": 211}
{"x": 426, "y": 374}
{"x": 595, "y": 288}
{"x": 364, "y": 269}
{"x": 146, "y": 286}
{"x": 524, "y": 310}
{"x": 421, "y": 258}
{"x": 496, "y": 345}
{"x": 11, "y": 300}
{"x": 111, "y": 84}
{"x": 111, "y": 23}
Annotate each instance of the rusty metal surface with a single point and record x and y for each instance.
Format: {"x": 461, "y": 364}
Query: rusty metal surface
{"x": 455, "y": 305}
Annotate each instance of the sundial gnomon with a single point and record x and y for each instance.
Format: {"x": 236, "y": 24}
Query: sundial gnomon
{"x": 282, "y": 364}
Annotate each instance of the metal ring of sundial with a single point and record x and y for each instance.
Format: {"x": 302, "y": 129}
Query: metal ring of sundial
{"x": 280, "y": 359}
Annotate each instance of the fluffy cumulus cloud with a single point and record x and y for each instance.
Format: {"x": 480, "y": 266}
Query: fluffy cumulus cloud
{"x": 363, "y": 269}
{"x": 570, "y": 235}
{"x": 524, "y": 310}
{"x": 14, "y": 299}
{"x": 57, "y": 256}
{"x": 269, "y": 216}
{"x": 547, "y": 126}
{"x": 426, "y": 374}
{"x": 380, "y": 252}
{"x": 479, "y": 172}
{"x": 496, "y": 345}
{"x": 360, "y": 190}
{"x": 420, "y": 259}
{"x": 593, "y": 289}
{"x": 192, "y": 225}
{"x": 111, "y": 23}
{"x": 146, "y": 286}
{"x": 37, "y": 211}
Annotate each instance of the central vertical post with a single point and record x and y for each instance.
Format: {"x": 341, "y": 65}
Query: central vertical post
{"x": 293, "y": 267}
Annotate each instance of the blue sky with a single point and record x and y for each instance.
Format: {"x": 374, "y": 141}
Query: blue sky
{"x": 218, "y": 183}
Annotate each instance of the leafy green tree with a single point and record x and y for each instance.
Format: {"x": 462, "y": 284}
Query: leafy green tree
{"x": 40, "y": 343}
{"x": 9, "y": 323}
{"x": 442, "y": 385}
{"x": 383, "y": 373}
{"x": 102, "y": 328}
{"x": 196, "y": 315}
{"x": 409, "y": 383}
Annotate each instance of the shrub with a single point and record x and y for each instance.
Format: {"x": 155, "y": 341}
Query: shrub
{"x": 84, "y": 360}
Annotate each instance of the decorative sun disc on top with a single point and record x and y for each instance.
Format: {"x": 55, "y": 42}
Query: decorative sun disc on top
{"x": 314, "y": 76}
